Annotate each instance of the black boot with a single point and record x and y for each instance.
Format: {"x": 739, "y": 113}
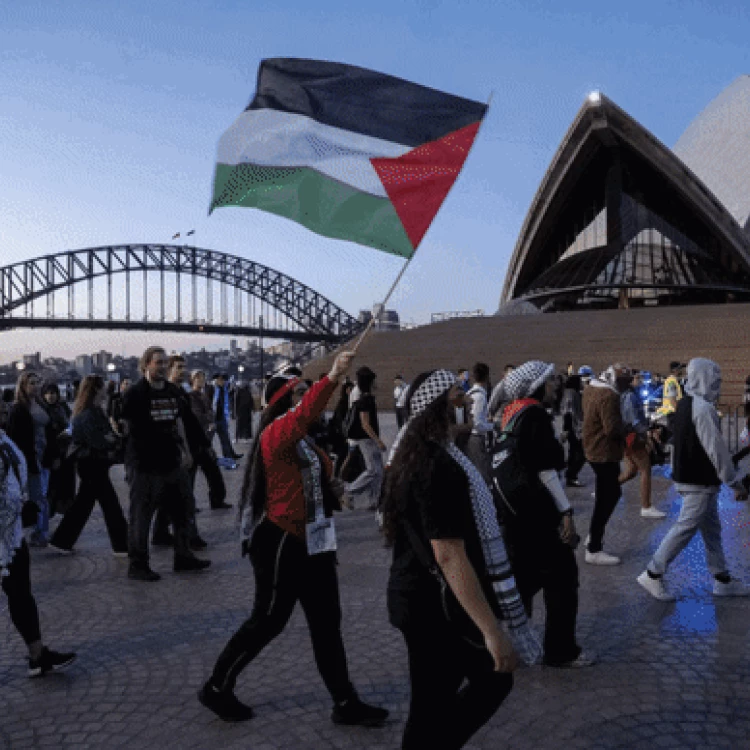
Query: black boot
{"x": 197, "y": 543}
{"x": 355, "y": 712}
{"x": 142, "y": 572}
{"x": 162, "y": 539}
{"x": 224, "y": 703}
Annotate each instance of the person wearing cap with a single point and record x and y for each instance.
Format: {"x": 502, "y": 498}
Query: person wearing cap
{"x": 586, "y": 374}
{"x": 440, "y": 517}
{"x": 287, "y": 530}
{"x": 603, "y": 444}
{"x": 701, "y": 464}
{"x": 672, "y": 387}
{"x": 542, "y": 542}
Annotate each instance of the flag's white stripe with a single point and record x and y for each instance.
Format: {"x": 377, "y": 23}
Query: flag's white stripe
{"x": 271, "y": 138}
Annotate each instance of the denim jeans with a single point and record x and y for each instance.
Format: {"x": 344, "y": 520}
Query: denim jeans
{"x": 222, "y": 430}
{"x": 699, "y": 513}
{"x": 38, "y": 494}
{"x": 365, "y": 489}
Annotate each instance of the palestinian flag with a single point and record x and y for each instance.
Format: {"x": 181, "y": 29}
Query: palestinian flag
{"x": 347, "y": 152}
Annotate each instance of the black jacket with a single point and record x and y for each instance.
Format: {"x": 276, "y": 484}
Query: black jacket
{"x": 21, "y": 432}
{"x": 691, "y": 464}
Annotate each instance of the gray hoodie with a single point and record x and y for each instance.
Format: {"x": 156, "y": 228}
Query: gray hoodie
{"x": 704, "y": 385}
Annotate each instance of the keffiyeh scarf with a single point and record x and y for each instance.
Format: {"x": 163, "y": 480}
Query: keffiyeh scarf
{"x": 497, "y": 565}
{"x": 12, "y": 490}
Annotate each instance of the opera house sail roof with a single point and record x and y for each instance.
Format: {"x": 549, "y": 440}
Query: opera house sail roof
{"x": 620, "y": 220}
{"x": 716, "y": 146}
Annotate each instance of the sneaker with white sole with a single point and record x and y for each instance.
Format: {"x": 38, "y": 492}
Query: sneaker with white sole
{"x": 655, "y": 587}
{"x": 50, "y": 661}
{"x": 584, "y": 659}
{"x": 732, "y": 588}
{"x": 652, "y": 513}
{"x": 601, "y": 558}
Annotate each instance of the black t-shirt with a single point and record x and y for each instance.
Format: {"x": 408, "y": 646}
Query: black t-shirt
{"x": 153, "y": 440}
{"x": 439, "y": 509}
{"x": 364, "y": 404}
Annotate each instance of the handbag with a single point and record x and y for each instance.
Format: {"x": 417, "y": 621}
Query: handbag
{"x": 454, "y": 613}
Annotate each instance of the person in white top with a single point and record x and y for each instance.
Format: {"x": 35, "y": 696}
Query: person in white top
{"x": 478, "y": 447}
{"x": 400, "y": 390}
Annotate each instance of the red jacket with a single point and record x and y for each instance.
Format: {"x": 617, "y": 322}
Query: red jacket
{"x": 278, "y": 445}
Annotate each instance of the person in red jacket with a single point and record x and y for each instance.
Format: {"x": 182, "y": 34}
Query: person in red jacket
{"x": 288, "y": 532}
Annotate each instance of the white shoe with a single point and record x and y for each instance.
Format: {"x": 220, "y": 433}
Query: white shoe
{"x": 733, "y": 588}
{"x": 655, "y": 587}
{"x": 652, "y": 513}
{"x": 601, "y": 558}
{"x": 584, "y": 659}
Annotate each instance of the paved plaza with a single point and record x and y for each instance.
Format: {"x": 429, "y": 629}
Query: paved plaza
{"x": 669, "y": 676}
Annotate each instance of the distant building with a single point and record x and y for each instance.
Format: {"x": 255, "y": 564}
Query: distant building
{"x": 101, "y": 359}
{"x": 32, "y": 361}
{"x": 233, "y": 348}
{"x": 84, "y": 365}
{"x": 385, "y": 320}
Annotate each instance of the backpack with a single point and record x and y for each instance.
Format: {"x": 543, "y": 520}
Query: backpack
{"x": 519, "y": 494}
{"x": 350, "y": 420}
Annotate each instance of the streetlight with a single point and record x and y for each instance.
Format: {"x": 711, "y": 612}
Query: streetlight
{"x": 20, "y": 366}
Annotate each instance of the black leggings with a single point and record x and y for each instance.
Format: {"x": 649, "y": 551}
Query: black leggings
{"x": 21, "y": 604}
{"x": 284, "y": 574}
{"x": 443, "y": 715}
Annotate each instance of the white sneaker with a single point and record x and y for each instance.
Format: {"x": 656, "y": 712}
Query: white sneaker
{"x": 584, "y": 659}
{"x": 655, "y": 587}
{"x": 652, "y": 513}
{"x": 601, "y": 558}
{"x": 733, "y": 588}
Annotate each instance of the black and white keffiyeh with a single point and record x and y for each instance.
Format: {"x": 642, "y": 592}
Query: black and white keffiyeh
{"x": 526, "y": 379}
{"x": 496, "y": 561}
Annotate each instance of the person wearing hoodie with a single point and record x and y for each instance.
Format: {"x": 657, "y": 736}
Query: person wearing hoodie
{"x": 571, "y": 409}
{"x": 603, "y": 444}
{"x": 702, "y": 462}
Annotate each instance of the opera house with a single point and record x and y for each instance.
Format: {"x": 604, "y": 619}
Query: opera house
{"x": 622, "y": 221}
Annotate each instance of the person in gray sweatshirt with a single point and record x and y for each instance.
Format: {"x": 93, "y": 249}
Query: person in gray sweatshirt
{"x": 701, "y": 464}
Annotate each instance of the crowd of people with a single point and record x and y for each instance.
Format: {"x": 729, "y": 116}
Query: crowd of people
{"x": 472, "y": 497}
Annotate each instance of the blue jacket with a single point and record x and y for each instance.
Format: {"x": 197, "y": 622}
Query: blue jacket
{"x": 215, "y": 401}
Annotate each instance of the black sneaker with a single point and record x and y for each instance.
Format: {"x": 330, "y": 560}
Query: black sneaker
{"x": 162, "y": 539}
{"x": 237, "y": 456}
{"x": 355, "y": 712}
{"x": 49, "y": 661}
{"x": 142, "y": 573}
{"x": 198, "y": 543}
{"x": 221, "y": 506}
{"x": 574, "y": 483}
{"x": 224, "y": 704}
{"x": 189, "y": 564}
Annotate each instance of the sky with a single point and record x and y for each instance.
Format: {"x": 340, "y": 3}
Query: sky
{"x": 110, "y": 113}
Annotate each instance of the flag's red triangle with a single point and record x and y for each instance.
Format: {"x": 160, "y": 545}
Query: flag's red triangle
{"x": 418, "y": 181}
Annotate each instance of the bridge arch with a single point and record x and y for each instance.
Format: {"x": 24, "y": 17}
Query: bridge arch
{"x": 314, "y": 317}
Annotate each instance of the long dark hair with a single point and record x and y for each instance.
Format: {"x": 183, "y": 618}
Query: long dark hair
{"x": 415, "y": 458}
{"x": 90, "y": 386}
{"x": 254, "y": 482}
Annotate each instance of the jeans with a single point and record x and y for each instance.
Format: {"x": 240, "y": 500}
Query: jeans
{"x": 285, "y": 574}
{"x": 222, "y": 430}
{"x": 699, "y": 513}
{"x": 38, "y": 493}
{"x": 148, "y": 492}
{"x": 443, "y": 715}
{"x": 21, "y": 603}
{"x": 95, "y": 485}
{"x": 608, "y": 493}
{"x": 365, "y": 489}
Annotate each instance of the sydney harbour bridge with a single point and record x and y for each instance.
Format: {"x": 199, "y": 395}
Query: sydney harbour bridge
{"x": 168, "y": 288}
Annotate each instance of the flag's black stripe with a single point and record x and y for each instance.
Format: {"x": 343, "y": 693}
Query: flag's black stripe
{"x": 362, "y": 101}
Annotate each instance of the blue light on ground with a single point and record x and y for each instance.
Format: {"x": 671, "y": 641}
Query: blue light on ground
{"x": 693, "y": 616}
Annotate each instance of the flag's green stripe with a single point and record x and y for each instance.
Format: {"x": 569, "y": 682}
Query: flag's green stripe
{"x": 321, "y": 204}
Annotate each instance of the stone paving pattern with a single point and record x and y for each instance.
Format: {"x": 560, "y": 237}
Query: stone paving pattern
{"x": 669, "y": 676}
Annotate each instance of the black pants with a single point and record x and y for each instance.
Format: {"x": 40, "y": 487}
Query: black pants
{"x": 400, "y": 416}
{"x": 608, "y": 493}
{"x": 285, "y": 574}
{"x": 553, "y": 570}
{"x": 443, "y": 715}
{"x": 576, "y": 457}
{"x": 206, "y": 462}
{"x": 95, "y": 485}
{"x": 21, "y": 604}
{"x": 148, "y": 491}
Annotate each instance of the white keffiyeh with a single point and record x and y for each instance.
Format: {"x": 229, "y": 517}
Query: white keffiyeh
{"x": 12, "y": 496}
